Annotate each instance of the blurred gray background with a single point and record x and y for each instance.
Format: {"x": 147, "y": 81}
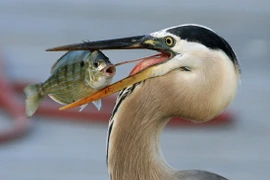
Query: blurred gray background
{"x": 70, "y": 150}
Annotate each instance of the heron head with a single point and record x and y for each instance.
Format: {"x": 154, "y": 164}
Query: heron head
{"x": 195, "y": 66}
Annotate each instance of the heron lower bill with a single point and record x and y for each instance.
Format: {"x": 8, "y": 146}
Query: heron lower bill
{"x": 140, "y": 72}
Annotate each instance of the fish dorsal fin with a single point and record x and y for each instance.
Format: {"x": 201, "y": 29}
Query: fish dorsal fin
{"x": 55, "y": 65}
{"x": 69, "y": 58}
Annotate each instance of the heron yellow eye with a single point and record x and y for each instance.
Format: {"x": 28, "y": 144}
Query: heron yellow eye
{"x": 169, "y": 41}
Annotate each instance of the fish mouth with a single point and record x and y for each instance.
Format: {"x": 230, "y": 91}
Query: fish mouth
{"x": 109, "y": 70}
{"x": 146, "y": 68}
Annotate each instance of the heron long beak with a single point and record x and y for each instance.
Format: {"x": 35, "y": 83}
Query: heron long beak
{"x": 135, "y": 42}
{"x": 142, "y": 71}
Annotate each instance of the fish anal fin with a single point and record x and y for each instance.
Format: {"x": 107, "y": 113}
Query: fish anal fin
{"x": 98, "y": 104}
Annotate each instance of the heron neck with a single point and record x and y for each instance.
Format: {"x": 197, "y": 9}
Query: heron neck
{"x": 134, "y": 145}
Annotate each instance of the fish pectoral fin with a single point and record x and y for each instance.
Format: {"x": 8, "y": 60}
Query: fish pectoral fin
{"x": 98, "y": 104}
{"x": 82, "y": 107}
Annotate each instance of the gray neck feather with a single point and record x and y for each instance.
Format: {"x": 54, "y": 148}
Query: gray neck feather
{"x": 134, "y": 148}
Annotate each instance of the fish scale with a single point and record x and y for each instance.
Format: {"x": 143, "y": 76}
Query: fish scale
{"x": 73, "y": 76}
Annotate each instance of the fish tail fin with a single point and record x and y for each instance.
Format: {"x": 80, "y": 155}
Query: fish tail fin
{"x": 33, "y": 98}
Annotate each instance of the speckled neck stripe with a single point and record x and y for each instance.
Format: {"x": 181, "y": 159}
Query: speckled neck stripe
{"x": 122, "y": 95}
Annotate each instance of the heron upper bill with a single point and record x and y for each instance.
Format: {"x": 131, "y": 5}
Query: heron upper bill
{"x": 134, "y": 42}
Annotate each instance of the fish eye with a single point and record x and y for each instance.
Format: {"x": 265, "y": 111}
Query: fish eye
{"x": 82, "y": 64}
{"x": 96, "y": 64}
{"x": 169, "y": 41}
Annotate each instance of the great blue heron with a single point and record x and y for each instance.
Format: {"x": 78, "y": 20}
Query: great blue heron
{"x": 195, "y": 77}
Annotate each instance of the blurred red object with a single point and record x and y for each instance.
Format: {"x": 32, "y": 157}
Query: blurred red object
{"x": 51, "y": 109}
{"x": 12, "y": 101}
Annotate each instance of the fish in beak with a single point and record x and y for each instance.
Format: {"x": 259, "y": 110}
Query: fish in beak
{"x": 143, "y": 70}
